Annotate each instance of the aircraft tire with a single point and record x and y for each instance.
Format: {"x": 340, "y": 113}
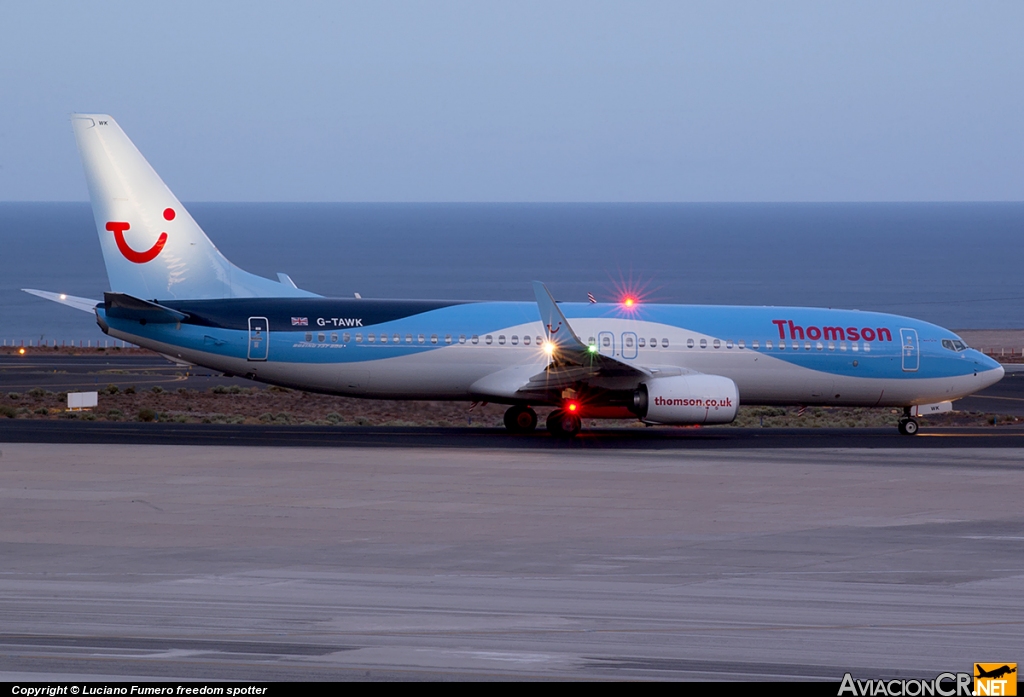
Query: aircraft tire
{"x": 910, "y": 427}
{"x": 563, "y": 425}
{"x": 520, "y": 419}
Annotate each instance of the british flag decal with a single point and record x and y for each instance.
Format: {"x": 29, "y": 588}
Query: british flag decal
{"x": 300, "y": 321}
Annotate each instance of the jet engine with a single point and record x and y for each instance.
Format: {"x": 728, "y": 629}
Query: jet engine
{"x": 687, "y": 399}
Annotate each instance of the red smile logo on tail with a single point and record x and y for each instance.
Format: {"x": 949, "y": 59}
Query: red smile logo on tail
{"x": 130, "y": 254}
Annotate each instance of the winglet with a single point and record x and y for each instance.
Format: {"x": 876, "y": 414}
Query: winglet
{"x": 556, "y": 325}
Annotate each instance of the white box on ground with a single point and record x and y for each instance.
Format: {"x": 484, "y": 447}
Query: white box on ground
{"x": 82, "y": 400}
{"x": 929, "y": 409}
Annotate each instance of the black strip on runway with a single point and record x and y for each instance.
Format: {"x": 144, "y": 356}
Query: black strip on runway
{"x": 136, "y": 433}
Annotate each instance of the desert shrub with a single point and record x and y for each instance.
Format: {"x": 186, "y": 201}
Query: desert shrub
{"x": 147, "y": 415}
{"x": 278, "y": 388}
{"x": 157, "y": 389}
{"x": 112, "y": 389}
{"x": 130, "y": 390}
{"x": 219, "y": 389}
{"x": 37, "y": 392}
{"x": 266, "y": 418}
{"x": 8, "y": 411}
{"x": 333, "y": 418}
{"x": 182, "y": 391}
{"x": 42, "y": 411}
{"x": 14, "y": 395}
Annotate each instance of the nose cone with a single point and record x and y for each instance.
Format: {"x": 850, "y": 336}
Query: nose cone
{"x": 988, "y": 369}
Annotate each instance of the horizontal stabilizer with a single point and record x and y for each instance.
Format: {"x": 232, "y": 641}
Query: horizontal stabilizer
{"x": 121, "y": 306}
{"x": 83, "y": 304}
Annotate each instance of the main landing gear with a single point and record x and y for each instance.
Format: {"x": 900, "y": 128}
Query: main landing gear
{"x": 564, "y": 424}
{"x": 520, "y": 419}
{"x": 908, "y": 424}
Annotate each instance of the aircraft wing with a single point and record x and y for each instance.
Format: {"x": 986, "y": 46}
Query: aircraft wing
{"x": 570, "y": 364}
{"x": 571, "y": 359}
{"x": 84, "y": 304}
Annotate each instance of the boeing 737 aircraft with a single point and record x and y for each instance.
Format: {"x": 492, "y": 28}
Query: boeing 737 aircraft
{"x": 172, "y": 291}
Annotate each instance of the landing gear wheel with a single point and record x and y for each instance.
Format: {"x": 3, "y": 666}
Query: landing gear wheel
{"x": 908, "y": 427}
{"x": 520, "y": 419}
{"x": 563, "y": 424}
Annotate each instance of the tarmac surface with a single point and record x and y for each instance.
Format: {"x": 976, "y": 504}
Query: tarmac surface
{"x": 258, "y": 563}
{"x": 176, "y": 551}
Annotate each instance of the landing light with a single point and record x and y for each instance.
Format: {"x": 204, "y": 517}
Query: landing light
{"x": 63, "y": 297}
{"x": 549, "y": 348}
{"x": 21, "y": 351}
{"x": 629, "y": 302}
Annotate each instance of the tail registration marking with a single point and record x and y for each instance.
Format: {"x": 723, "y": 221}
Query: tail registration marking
{"x": 130, "y": 254}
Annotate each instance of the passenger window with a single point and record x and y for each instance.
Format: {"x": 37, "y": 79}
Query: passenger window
{"x": 488, "y": 339}
{"x": 853, "y": 346}
{"x": 526, "y": 341}
{"x": 396, "y": 338}
{"x": 433, "y": 338}
{"x": 475, "y": 339}
{"x": 334, "y": 338}
{"x": 741, "y": 344}
{"x": 447, "y": 338}
{"x": 515, "y": 339}
{"x": 383, "y": 338}
{"x": 321, "y": 338}
{"x": 539, "y": 341}
{"x": 754, "y": 344}
{"x": 807, "y": 346}
{"x": 842, "y": 345}
{"x": 408, "y": 338}
{"x": 346, "y": 337}
{"x": 359, "y": 338}
{"x": 606, "y": 341}
{"x": 867, "y": 347}
{"x": 728, "y": 344}
{"x": 819, "y": 346}
{"x": 768, "y": 344}
{"x": 654, "y": 343}
{"x": 689, "y": 343}
{"x": 590, "y": 342}
{"x": 640, "y": 343}
{"x": 370, "y": 338}
{"x": 717, "y": 344}
{"x": 831, "y": 346}
{"x": 309, "y": 336}
{"x": 462, "y": 338}
{"x": 501, "y": 339}
{"x": 629, "y": 342}
{"x": 703, "y": 343}
{"x": 664, "y": 343}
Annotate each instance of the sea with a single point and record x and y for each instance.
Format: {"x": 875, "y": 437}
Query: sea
{"x": 959, "y": 265}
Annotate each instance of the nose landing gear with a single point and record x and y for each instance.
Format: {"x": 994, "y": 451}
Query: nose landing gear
{"x": 907, "y": 424}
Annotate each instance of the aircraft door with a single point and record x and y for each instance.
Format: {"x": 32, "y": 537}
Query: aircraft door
{"x": 911, "y": 350}
{"x": 259, "y": 338}
{"x": 606, "y": 343}
{"x": 629, "y": 349}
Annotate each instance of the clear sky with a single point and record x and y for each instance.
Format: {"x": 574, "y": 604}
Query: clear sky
{"x": 524, "y": 101}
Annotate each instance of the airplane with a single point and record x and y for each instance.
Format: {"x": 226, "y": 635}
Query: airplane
{"x": 172, "y": 291}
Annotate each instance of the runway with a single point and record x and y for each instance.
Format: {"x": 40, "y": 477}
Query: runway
{"x": 260, "y": 563}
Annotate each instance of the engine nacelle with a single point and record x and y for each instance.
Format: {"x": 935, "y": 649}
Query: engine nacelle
{"x": 687, "y": 399}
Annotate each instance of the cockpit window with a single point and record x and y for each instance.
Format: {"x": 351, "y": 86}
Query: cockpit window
{"x": 954, "y": 345}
